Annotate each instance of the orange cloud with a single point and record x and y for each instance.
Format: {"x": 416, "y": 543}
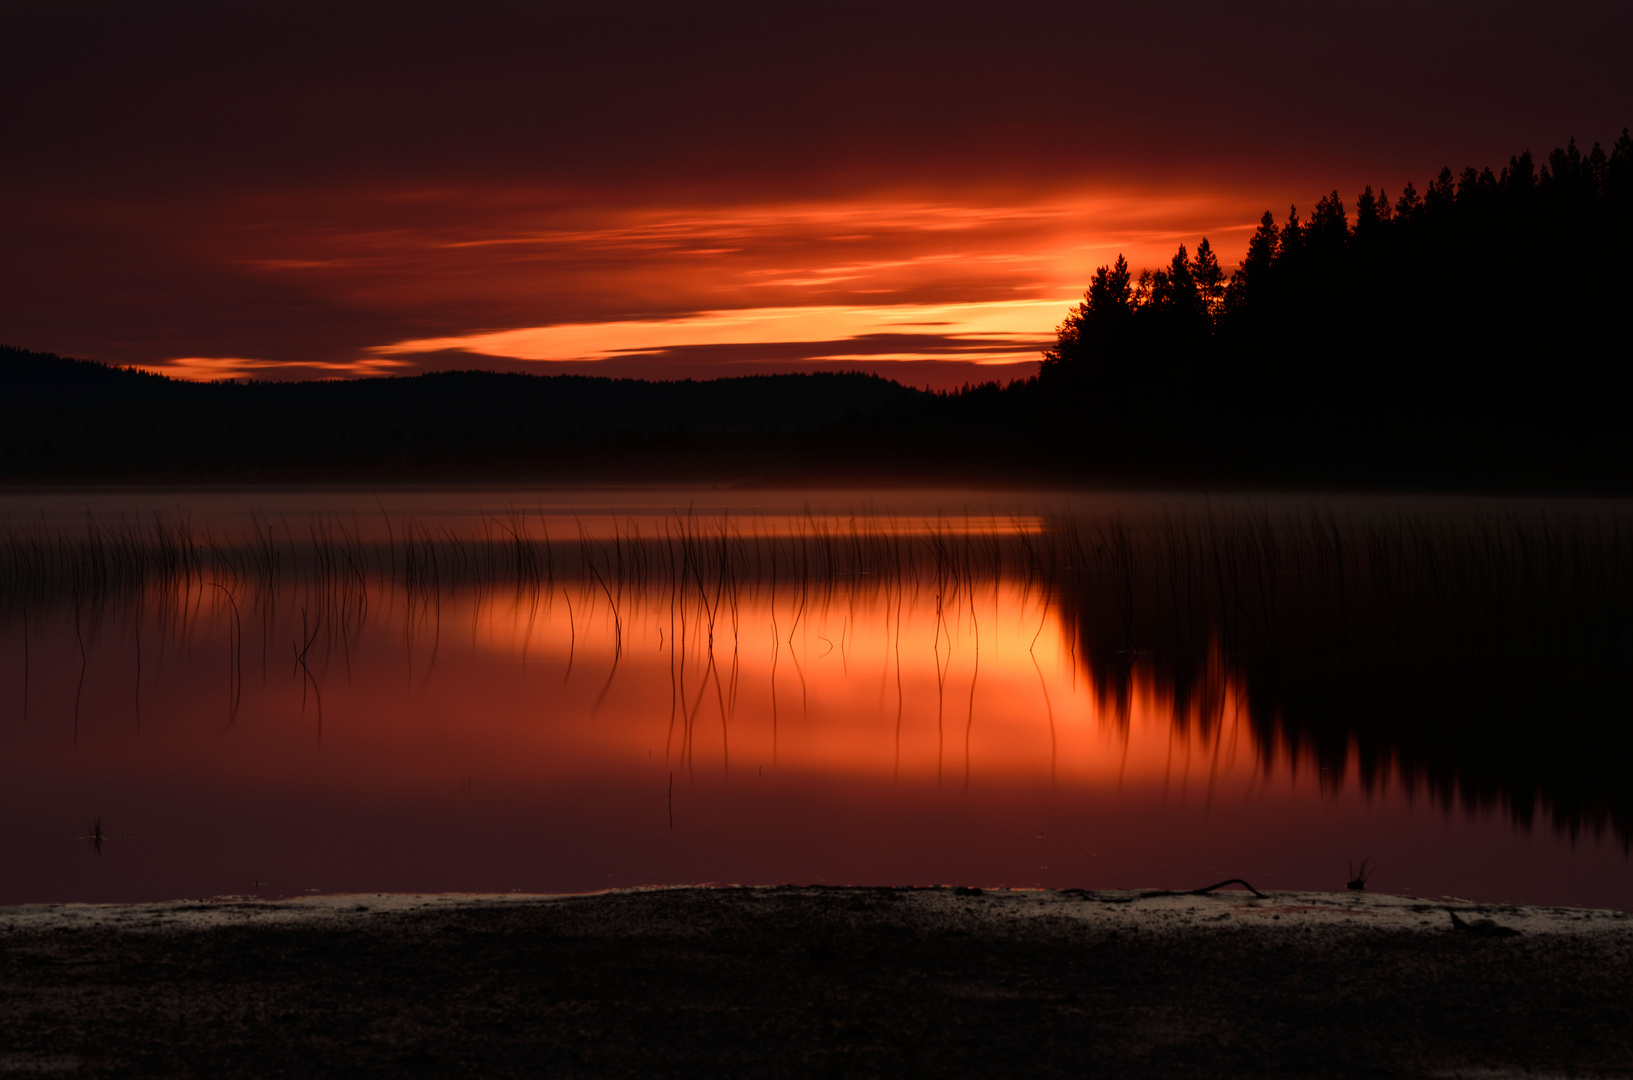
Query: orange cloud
{"x": 1021, "y": 327}
{"x": 386, "y": 284}
{"x": 216, "y": 368}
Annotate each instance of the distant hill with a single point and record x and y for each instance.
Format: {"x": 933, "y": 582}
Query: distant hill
{"x": 36, "y": 378}
{"x": 74, "y": 419}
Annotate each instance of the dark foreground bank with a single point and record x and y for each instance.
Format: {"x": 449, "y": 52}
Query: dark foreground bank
{"x": 817, "y": 981}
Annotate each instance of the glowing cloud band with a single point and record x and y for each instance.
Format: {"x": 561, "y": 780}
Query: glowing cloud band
{"x": 1004, "y": 331}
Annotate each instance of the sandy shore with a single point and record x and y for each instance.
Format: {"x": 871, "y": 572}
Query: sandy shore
{"x": 816, "y": 980}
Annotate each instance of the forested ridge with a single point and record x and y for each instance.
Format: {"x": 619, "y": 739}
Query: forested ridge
{"x": 1476, "y": 334}
{"x": 1480, "y": 325}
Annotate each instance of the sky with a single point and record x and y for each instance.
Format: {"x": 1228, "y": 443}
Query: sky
{"x": 300, "y": 190}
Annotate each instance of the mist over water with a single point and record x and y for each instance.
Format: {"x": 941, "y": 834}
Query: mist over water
{"x": 274, "y": 692}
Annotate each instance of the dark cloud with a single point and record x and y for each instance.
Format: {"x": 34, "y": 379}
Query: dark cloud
{"x": 675, "y": 95}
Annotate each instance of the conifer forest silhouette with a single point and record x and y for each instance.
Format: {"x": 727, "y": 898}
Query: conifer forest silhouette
{"x": 1479, "y": 326}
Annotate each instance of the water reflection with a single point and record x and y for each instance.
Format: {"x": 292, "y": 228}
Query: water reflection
{"x": 996, "y": 698}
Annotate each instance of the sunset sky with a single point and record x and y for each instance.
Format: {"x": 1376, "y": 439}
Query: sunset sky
{"x": 292, "y": 190}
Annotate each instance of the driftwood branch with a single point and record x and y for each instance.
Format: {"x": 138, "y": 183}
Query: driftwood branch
{"x": 1205, "y": 891}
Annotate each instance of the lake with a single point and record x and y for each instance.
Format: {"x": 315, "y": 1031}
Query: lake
{"x": 280, "y": 691}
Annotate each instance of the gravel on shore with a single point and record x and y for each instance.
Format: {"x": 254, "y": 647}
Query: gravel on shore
{"x": 817, "y": 981}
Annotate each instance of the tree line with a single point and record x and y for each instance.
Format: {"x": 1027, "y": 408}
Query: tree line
{"x": 1484, "y": 320}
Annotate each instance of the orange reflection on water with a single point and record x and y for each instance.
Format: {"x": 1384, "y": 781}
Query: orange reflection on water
{"x": 960, "y": 689}
{"x": 564, "y": 690}
{"x": 871, "y": 681}
{"x": 580, "y": 736}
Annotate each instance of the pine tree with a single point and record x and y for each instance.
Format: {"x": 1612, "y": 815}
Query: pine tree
{"x": 1564, "y": 165}
{"x": 1148, "y": 287}
{"x": 1409, "y": 205}
{"x": 1328, "y": 230}
{"x": 1521, "y": 175}
{"x": 1253, "y": 274}
{"x": 1292, "y": 237}
{"x": 1093, "y": 329}
{"x": 1209, "y": 278}
{"x": 1366, "y": 213}
{"x": 1182, "y": 290}
{"x": 1110, "y": 295}
{"x": 1442, "y": 193}
{"x": 1468, "y": 186}
{"x": 1598, "y": 167}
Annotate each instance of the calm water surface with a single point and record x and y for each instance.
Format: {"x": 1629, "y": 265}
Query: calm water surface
{"x": 513, "y": 690}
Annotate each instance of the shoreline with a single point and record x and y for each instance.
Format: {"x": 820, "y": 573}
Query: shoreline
{"x": 1386, "y": 911}
{"x": 833, "y": 980}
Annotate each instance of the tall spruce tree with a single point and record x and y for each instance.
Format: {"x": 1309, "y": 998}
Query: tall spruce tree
{"x": 1209, "y": 278}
